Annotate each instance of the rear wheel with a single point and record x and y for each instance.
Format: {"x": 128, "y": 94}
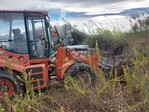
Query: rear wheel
{"x": 8, "y": 84}
{"x": 82, "y": 73}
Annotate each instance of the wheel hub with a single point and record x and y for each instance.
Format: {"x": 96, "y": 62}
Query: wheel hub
{"x": 6, "y": 87}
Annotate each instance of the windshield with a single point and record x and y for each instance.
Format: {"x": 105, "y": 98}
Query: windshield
{"x": 12, "y": 32}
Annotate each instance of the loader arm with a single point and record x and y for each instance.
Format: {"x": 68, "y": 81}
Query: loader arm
{"x": 91, "y": 60}
{"x": 66, "y": 57}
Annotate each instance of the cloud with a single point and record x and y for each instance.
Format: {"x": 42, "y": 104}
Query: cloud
{"x": 86, "y": 7}
{"x": 21, "y": 4}
{"x": 100, "y": 6}
{"x": 74, "y": 5}
{"x": 78, "y": 11}
{"x": 88, "y": 3}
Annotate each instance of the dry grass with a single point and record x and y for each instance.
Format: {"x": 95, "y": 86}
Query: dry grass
{"x": 106, "y": 96}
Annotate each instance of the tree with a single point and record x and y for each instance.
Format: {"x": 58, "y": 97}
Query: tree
{"x": 78, "y": 36}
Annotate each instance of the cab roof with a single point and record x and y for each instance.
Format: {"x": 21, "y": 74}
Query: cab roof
{"x": 23, "y": 11}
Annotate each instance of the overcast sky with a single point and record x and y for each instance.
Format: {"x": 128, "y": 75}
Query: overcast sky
{"x": 109, "y": 13}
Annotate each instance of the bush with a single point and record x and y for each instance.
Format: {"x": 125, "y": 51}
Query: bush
{"x": 78, "y": 36}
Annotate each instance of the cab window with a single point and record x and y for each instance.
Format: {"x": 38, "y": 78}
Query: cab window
{"x": 12, "y": 32}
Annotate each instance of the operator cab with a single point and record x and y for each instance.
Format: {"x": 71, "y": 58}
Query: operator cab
{"x": 25, "y": 32}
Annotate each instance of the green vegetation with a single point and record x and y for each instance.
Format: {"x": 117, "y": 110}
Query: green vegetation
{"x": 114, "y": 41}
{"x": 78, "y": 36}
{"x": 128, "y": 93}
{"x": 107, "y": 95}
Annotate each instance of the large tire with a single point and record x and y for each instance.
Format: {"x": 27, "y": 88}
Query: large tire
{"x": 82, "y": 72}
{"x": 8, "y": 83}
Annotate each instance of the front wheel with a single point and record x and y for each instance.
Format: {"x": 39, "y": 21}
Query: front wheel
{"x": 82, "y": 72}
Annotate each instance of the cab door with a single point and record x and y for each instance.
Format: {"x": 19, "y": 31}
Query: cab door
{"x": 37, "y": 35}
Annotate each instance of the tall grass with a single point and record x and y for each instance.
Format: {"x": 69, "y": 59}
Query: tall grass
{"x": 24, "y": 102}
{"x": 129, "y": 93}
{"x": 107, "y": 95}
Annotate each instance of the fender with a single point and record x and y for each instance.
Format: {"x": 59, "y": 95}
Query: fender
{"x": 14, "y": 61}
{"x": 65, "y": 66}
{"x": 14, "y": 66}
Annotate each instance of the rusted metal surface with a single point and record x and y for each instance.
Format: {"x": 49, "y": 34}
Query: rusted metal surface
{"x": 108, "y": 64}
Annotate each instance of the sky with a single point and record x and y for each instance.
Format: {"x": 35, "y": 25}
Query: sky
{"x": 85, "y": 13}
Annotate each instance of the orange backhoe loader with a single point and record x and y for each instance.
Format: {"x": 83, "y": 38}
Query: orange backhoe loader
{"x": 25, "y": 47}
